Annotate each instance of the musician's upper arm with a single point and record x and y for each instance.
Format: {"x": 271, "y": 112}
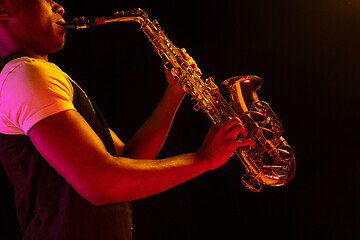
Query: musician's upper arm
{"x": 69, "y": 144}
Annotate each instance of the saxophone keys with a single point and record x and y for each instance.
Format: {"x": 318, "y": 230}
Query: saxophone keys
{"x": 196, "y": 107}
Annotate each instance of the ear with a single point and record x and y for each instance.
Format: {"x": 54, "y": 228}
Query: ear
{"x": 4, "y": 15}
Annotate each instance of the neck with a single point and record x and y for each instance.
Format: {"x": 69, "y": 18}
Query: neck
{"x": 7, "y": 46}
{"x": 25, "y": 53}
{"x": 38, "y": 56}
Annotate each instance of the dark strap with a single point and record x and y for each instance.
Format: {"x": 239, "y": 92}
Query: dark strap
{"x": 93, "y": 116}
{"x": 7, "y": 58}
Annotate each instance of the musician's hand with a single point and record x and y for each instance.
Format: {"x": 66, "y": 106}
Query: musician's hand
{"x": 222, "y": 140}
{"x": 190, "y": 60}
{"x": 174, "y": 81}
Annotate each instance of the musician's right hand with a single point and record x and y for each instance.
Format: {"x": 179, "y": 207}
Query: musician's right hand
{"x": 222, "y": 140}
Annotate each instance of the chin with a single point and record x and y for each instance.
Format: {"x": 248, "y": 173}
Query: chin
{"x": 58, "y": 47}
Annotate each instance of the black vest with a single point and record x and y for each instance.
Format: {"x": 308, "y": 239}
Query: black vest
{"x": 47, "y": 206}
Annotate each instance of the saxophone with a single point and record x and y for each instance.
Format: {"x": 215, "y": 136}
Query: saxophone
{"x": 271, "y": 160}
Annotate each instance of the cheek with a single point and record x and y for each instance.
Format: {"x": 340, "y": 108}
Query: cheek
{"x": 37, "y": 17}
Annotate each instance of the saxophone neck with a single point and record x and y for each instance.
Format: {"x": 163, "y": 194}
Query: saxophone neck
{"x": 137, "y": 15}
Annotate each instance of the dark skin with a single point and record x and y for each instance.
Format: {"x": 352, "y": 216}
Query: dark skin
{"x": 35, "y": 28}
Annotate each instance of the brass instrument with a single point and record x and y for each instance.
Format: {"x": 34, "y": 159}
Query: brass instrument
{"x": 271, "y": 160}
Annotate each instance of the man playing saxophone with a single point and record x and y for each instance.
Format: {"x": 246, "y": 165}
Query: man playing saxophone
{"x": 73, "y": 177}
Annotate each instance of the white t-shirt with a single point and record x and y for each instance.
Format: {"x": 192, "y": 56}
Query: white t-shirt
{"x": 31, "y": 90}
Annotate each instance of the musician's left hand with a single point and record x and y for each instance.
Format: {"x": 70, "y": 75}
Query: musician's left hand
{"x": 175, "y": 81}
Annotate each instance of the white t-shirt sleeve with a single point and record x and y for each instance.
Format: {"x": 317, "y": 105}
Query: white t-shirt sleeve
{"x": 32, "y": 91}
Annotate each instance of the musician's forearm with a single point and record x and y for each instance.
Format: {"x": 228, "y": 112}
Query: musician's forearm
{"x": 148, "y": 140}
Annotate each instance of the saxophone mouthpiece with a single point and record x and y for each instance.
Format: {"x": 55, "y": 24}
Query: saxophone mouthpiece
{"x": 78, "y": 23}
{"x": 70, "y": 25}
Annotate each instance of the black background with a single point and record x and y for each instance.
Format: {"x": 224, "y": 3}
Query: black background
{"x": 306, "y": 51}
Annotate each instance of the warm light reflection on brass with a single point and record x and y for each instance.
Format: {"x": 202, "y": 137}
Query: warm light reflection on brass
{"x": 271, "y": 161}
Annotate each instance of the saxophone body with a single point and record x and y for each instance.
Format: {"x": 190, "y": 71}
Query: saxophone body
{"x": 271, "y": 160}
